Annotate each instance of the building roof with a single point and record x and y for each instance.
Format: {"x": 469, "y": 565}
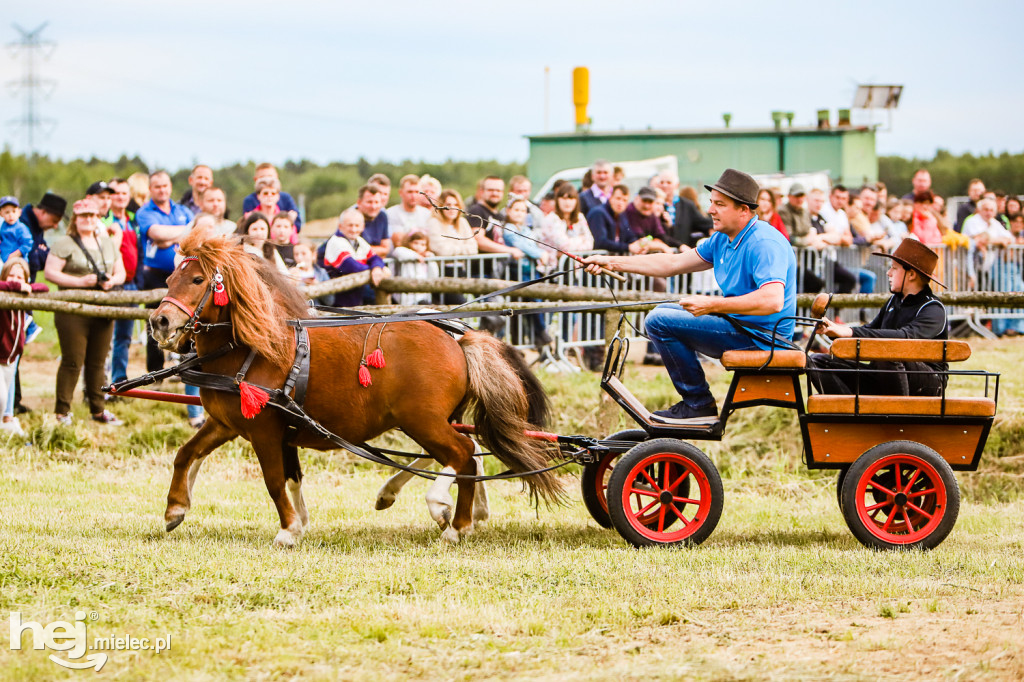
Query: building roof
{"x": 699, "y": 132}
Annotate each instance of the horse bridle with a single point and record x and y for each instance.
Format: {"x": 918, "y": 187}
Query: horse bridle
{"x": 193, "y": 324}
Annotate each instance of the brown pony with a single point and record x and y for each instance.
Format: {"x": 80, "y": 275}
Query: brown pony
{"x": 428, "y": 380}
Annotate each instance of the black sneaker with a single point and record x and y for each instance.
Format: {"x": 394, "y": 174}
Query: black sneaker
{"x": 681, "y": 412}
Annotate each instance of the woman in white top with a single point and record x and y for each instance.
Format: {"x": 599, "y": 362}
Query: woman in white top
{"x": 565, "y": 228}
{"x": 450, "y": 236}
{"x": 448, "y": 222}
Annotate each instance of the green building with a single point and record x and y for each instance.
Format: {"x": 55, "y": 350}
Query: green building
{"x": 846, "y": 153}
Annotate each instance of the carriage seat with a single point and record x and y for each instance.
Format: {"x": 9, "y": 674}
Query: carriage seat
{"x": 754, "y": 359}
{"x": 903, "y": 405}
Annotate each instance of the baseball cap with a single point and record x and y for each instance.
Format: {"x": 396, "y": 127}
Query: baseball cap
{"x": 647, "y": 193}
{"x": 97, "y": 187}
{"x": 796, "y": 190}
{"x": 9, "y": 200}
{"x": 85, "y": 206}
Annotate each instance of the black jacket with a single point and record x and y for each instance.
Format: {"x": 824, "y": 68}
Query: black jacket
{"x": 919, "y": 316}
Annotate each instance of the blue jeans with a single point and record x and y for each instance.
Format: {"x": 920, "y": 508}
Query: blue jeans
{"x": 679, "y": 336}
{"x": 867, "y": 280}
{"x": 194, "y": 411}
{"x": 122, "y": 341}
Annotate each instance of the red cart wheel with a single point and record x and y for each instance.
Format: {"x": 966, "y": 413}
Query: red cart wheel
{"x": 663, "y": 492}
{"x": 900, "y": 494}
{"x": 594, "y": 480}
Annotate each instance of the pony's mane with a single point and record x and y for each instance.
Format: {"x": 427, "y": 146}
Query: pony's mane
{"x": 260, "y": 298}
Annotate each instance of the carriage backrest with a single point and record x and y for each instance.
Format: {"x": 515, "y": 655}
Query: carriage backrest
{"x": 897, "y": 350}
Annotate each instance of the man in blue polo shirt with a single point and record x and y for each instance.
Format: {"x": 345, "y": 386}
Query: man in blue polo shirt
{"x": 162, "y": 223}
{"x": 756, "y": 271}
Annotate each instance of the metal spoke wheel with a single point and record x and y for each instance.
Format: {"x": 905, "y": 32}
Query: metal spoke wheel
{"x": 594, "y": 480}
{"x": 663, "y": 492}
{"x": 899, "y": 495}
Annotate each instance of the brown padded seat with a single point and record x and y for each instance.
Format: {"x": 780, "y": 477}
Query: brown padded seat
{"x": 911, "y": 350}
{"x": 744, "y": 359}
{"x": 887, "y": 404}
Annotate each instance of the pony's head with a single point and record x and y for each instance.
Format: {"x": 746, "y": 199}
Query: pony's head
{"x": 258, "y": 299}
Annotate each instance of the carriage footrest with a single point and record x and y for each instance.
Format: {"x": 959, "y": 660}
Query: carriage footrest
{"x": 754, "y": 359}
{"x": 903, "y": 405}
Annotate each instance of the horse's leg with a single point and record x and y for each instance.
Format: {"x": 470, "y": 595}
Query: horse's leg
{"x": 271, "y": 453}
{"x": 389, "y": 491}
{"x": 455, "y": 453}
{"x": 186, "y": 466}
{"x": 481, "y": 510}
{"x": 293, "y": 478}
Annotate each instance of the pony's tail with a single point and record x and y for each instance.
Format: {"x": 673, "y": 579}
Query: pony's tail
{"x": 501, "y": 411}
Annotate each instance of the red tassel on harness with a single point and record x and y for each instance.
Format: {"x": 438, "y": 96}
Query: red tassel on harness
{"x": 220, "y": 292}
{"x": 364, "y": 375}
{"x": 253, "y": 399}
{"x": 376, "y": 359}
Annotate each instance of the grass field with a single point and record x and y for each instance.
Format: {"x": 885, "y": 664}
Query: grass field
{"x": 781, "y": 590}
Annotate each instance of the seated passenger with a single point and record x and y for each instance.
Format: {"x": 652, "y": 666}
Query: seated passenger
{"x": 912, "y": 312}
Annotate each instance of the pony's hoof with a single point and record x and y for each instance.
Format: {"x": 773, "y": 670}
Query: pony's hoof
{"x": 285, "y": 539}
{"x": 451, "y": 536}
{"x": 173, "y": 518}
{"x": 384, "y": 501}
{"x": 480, "y": 515}
{"x": 468, "y": 530}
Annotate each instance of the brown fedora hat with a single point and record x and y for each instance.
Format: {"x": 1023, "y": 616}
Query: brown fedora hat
{"x": 913, "y": 254}
{"x": 737, "y": 185}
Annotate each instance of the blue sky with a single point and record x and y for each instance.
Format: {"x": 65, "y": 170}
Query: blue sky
{"x": 220, "y": 82}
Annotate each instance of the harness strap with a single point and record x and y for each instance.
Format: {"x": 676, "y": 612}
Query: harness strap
{"x": 240, "y": 377}
{"x": 185, "y": 365}
{"x": 183, "y": 307}
{"x": 298, "y": 375}
{"x": 298, "y": 416}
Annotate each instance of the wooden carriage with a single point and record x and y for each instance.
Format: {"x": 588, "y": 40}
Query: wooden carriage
{"x": 895, "y": 454}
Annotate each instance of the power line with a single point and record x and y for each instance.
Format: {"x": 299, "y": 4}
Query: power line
{"x": 32, "y": 87}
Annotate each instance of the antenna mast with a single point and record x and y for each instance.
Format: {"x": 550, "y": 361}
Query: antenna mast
{"x": 33, "y": 49}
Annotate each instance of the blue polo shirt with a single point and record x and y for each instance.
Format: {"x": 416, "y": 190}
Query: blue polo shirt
{"x": 758, "y": 255}
{"x": 377, "y": 230}
{"x": 149, "y": 215}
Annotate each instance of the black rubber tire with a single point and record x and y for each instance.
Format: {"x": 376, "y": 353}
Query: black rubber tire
{"x": 591, "y": 485}
{"x": 839, "y": 486}
{"x": 933, "y": 501}
{"x": 665, "y": 459}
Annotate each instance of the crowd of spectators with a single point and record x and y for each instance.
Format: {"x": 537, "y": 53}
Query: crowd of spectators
{"x": 123, "y": 235}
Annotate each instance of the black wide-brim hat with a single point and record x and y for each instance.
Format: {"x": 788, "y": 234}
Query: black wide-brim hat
{"x": 737, "y": 185}
{"x": 913, "y": 254}
{"x": 52, "y": 203}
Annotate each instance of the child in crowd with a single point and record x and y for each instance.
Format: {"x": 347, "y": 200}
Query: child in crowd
{"x": 517, "y": 233}
{"x": 282, "y": 236}
{"x": 15, "y": 238}
{"x": 412, "y": 263}
{"x": 306, "y": 271}
{"x": 346, "y": 252}
{"x": 16, "y": 242}
{"x": 13, "y": 277}
{"x": 268, "y": 191}
{"x": 254, "y": 230}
